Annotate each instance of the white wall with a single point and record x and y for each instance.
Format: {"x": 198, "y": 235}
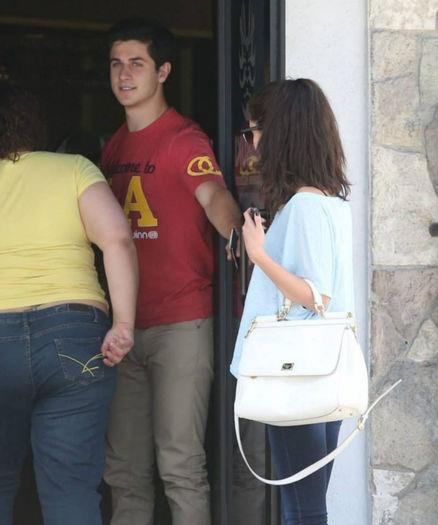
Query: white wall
{"x": 327, "y": 42}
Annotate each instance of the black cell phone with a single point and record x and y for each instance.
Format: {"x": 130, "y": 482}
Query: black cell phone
{"x": 254, "y": 211}
{"x": 233, "y": 247}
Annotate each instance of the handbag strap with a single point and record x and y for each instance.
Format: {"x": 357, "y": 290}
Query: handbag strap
{"x": 317, "y": 303}
{"x": 323, "y": 461}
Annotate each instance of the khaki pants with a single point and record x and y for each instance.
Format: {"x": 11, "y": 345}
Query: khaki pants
{"x": 160, "y": 413}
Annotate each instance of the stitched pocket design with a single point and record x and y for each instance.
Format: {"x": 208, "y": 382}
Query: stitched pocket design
{"x": 80, "y": 358}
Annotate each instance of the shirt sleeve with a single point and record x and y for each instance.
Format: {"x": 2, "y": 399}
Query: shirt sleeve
{"x": 309, "y": 245}
{"x": 86, "y": 173}
{"x": 196, "y": 158}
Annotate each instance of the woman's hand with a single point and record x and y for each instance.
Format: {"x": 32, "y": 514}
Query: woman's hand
{"x": 117, "y": 343}
{"x": 253, "y": 234}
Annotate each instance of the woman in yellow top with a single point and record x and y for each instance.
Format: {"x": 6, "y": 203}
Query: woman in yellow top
{"x": 58, "y": 347}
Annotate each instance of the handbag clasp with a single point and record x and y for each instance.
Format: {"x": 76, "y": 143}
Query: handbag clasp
{"x": 283, "y": 312}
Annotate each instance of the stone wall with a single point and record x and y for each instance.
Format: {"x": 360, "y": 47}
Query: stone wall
{"x": 404, "y": 288}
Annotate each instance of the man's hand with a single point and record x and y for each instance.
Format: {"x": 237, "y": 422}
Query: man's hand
{"x": 117, "y": 343}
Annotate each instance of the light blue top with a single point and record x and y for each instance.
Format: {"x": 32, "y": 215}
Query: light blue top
{"x": 311, "y": 236}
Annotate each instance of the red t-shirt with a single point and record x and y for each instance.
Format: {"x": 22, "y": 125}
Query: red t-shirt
{"x": 154, "y": 173}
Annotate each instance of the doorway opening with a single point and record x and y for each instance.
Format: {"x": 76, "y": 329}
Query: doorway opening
{"x": 60, "y": 52}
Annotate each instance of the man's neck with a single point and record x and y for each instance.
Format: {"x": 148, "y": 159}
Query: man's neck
{"x": 138, "y": 118}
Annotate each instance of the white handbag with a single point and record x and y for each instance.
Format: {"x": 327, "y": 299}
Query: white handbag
{"x": 298, "y": 372}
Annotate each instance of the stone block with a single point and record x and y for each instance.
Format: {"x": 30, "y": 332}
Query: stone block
{"x": 403, "y": 205}
{"x": 434, "y": 314}
{"x": 394, "y": 55}
{"x": 391, "y": 482}
{"x": 387, "y": 345}
{"x": 429, "y": 74}
{"x": 400, "y": 302}
{"x": 403, "y": 426}
{"x": 429, "y": 478}
{"x": 403, "y": 14}
{"x": 384, "y": 509}
{"x": 419, "y": 507}
{"x": 425, "y": 346}
{"x": 406, "y": 296}
{"x": 431, "y": 141}
{"x": 396, "y": 118}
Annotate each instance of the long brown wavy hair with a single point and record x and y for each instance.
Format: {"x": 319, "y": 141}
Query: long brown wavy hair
{"x": 21, "y": 125}
{"x": 300, "y": 144}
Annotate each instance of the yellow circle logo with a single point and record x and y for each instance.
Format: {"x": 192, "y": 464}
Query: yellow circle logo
{"x": 202, "y": 166}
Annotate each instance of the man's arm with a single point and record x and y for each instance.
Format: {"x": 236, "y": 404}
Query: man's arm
{"x": 219, "y": 206}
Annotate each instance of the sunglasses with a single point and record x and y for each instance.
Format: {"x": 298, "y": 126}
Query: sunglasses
{"x": 248, "y": 135}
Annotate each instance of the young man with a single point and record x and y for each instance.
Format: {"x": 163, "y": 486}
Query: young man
{"x": 165, "y": 176}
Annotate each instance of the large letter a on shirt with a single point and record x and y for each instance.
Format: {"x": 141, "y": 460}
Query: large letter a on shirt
{"x": 136, "y": 201}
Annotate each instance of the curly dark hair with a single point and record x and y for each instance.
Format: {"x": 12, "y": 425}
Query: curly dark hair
{"x": 21, "y": 126}
{"x": 300, "y": 143}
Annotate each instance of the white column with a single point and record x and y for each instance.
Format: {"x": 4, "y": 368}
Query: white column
{"x": 327, "y": 41}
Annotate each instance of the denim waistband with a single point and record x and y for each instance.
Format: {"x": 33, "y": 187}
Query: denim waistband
{"x": 34, "y": 315}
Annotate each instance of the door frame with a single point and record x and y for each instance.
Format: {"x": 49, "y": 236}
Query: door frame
{"x": 224, "y": 339}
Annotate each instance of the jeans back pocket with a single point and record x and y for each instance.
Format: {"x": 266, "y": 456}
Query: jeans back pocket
{"x": 81, "y": 358}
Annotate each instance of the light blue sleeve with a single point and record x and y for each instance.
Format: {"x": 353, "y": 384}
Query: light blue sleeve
{"x": 309, "y": 244}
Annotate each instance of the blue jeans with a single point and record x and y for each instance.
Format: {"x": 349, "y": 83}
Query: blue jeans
{"x": 55, "y": 396}
{"x": 294, "y": 448}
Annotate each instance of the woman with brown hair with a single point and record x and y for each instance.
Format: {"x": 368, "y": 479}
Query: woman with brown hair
{"x": 305, "y": 189}
{"x": 58, "y": 346}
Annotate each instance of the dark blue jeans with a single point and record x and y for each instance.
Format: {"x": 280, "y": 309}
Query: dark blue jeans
{"x": 55, "y": 396}
{"x": 294, "y": 448}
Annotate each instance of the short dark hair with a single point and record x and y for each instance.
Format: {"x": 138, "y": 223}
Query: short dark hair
{"x": 159, "y": 41}
{"x": 300, "y": 143}
{"x": 21, "y": 125}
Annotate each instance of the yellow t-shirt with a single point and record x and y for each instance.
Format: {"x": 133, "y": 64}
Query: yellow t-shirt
{"x": 45, "y": 255}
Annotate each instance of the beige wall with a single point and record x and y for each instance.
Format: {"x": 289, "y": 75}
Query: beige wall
{"x": 328, "y": 42}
